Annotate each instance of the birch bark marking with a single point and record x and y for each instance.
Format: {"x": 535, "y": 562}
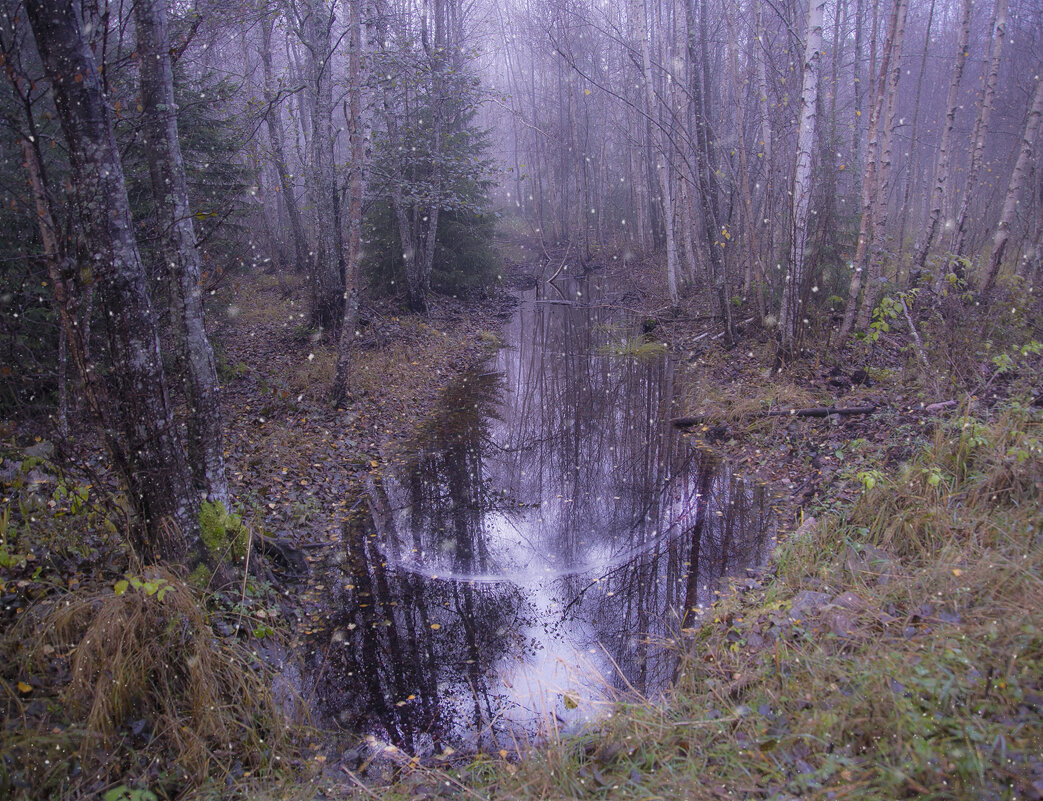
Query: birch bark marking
{"x": 871, "y": 182}
{"x": 1018, "y": 179}
{"x": 981, "y": 130}
{"x": 791, "y": 296}
{"x": 351, "y": 272}
{"x": 941, "y": 178}
{"x": 143, "y": 439}
{"x": 178, "y": 248}
{"x": 327, "y": 278}
{"x": 277, "y": 141}
{"x": 892, "y": 65}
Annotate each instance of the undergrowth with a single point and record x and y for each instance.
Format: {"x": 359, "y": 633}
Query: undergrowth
{"x": 128, "y": 686}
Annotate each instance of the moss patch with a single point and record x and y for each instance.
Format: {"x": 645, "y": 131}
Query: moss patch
{"x": 223, "y": 532}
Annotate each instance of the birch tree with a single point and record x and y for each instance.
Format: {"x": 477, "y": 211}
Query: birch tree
{"x": 277, "y": 143}
{"x": 138, "y": 424}
{"x": 178, "y": 248}
{"x": 981, "y": 131}
{"x": 354, "y": 211}
{"x": 792, "y": 302}
{"x": 943, "y": 163}
{"x": 313, "y": 24}
{"x": 1018, "y": 180}
{"x": 878, "y": 163}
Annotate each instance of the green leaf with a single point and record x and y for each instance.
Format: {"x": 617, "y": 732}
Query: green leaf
{"x": 120, "y": 587}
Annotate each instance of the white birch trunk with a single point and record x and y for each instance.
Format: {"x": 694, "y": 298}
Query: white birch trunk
{"x": 942, "y": 168}
{"x": 791, "y": 316}
{"x": 178, "y": 246}
{"x": 1023, "y": 169}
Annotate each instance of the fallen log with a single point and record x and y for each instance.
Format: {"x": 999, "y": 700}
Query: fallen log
{"x": 814, "y": 411}
{"x": 821, "y": 411}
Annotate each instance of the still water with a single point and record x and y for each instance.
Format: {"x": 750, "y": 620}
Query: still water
{"x": 533, "y": 552}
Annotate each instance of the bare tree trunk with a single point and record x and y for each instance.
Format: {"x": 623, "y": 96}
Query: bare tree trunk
{"x": 942, "y": 169}
{"x": 1018, "y": 179}
{"x": 705, "y": 168}
{"x": 56, "y": 270}
{"x": 327, "y": 278}
{"x": 661, "y": 154}
{"x": 139, "y": 425}
{"x": 754, "y": 271}
{"x": 892, "y": 64}
{"x": 178, "y": 246}
{"x": 351, "y": 273}
{"x": 910, "y": 156}
{"x": 981, "y": 131}
{"x": 859, "y": 90}
{"x": 277, "y": 142}
{"x": 875, "y": 163}
{"x": 792, "y": 311}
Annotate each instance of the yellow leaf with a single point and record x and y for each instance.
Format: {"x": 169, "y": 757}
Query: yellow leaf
{"x": 436, "y": 626}
{"x": 24, "y": 688}
{"x": 570, "y": 701}
{"x": 957, "y": 572}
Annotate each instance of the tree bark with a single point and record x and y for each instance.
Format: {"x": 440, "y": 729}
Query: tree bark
{"x": 873, "y": 198}
{"x": 327, "y": 276}
{"x": 141, "y": 435}
{"x": 911, "y": 154}
{"x": 942, "y": 168}
{"x": 892, "y": 65}
{"x": 792, "y": 311}
{"x": 178, "y": 247}
{"x": 351, "y": 273}
{"x": 660, "y": 155}
{"x": 1018, "y": 179}
{"x": 981, "y": 131}
{"x": 277, "y": 142}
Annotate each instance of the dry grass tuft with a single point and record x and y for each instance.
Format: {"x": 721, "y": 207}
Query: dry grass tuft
{"x": 149, "y": 683}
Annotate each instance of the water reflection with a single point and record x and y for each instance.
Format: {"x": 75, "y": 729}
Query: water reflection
{"x": 531, "y": 556}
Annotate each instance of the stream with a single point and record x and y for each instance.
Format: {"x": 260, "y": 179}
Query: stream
{"x": 533, "y": 554}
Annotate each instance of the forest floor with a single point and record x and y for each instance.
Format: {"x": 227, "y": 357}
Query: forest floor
{"x": 295, "y": 468}
{"x": 891, "y": 648}
{"x": 893, "y": 645}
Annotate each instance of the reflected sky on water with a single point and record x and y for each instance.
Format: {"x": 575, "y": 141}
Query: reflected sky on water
{"x": 548, "y": 531}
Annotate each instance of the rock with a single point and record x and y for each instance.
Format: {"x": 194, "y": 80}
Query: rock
{"x": 808, "y": 602}
{"x": 851, "y": 602}
{"x": 41, "y": 450}
{"x": 840, "y": 623}
{"x": 806, "y": 527}
{"x": 872, "y": 560}
{"x": 860, "y": 377}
